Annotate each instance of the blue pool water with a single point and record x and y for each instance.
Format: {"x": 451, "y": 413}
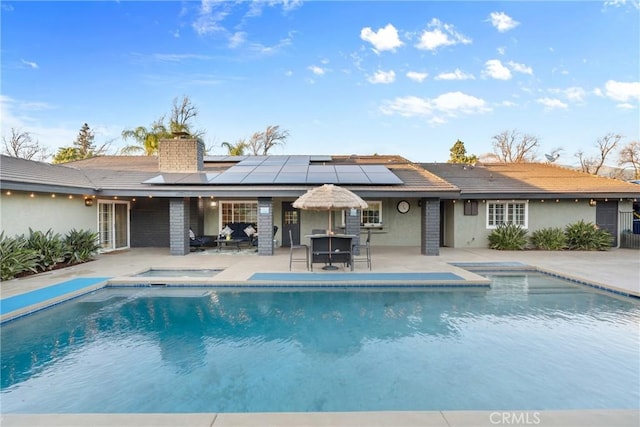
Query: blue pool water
{"x": 530, "y": 342}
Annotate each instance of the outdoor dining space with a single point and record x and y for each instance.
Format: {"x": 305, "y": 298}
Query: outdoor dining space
{"x": 327, "y": 246}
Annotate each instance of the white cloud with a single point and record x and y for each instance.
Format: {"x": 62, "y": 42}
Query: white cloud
{"x": 437, "y": 109}
{"x": 237, "y": 39}
{"x": 502, "y": 50}
{"x": 520, "y": 68}
{"x": 385, "y": 39}
{"x": 626, "y": 106}
{"x": 29, "y": 64}
{"x": 318, "y": 71}
{"x": 455, "y": 75}
{"x": 551, "y": 103}
{"x": 439, "y": 34}
{"x": 502, "y": 22}
{"x": 210, "y": 17}
{"x": 575, "y": 93}
{"x": 622, "y": 91}
{"x": 621, "y": 3}
{"x": 384, "y": 77}
{"x": 495, "y": 70}
{"x": 417, "y": 76}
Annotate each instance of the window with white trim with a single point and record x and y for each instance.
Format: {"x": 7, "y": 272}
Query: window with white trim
{"x": 372, "y": 215}
{"x": 507, "y": 213}
{"x": 238, "y": 212}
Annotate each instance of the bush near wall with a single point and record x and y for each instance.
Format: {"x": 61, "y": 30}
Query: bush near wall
{"x": 42, "y": 251}
{"x": 580, "y": 236}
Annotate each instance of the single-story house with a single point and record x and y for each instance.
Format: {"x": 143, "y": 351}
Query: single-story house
{"x": 149, "y": 201}
{"x": 533, "y": 195}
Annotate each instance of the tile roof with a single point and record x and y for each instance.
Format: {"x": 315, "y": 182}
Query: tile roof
{"x": 134, "y": 175}
{"x": 531, "y": 179}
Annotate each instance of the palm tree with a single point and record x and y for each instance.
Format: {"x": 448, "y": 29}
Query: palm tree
{"x": 147, "y": 139}
{"x": 236, "y": 149}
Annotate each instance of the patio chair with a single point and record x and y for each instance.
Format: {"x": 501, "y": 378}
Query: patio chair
{"x": 364, "y": 250}
{"x": 294, "y": 252}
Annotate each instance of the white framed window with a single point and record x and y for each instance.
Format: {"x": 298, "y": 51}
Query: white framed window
{"x": 513, "y": 212}
{"x": 372, "y": 215}
{"x": 238, "y": 211}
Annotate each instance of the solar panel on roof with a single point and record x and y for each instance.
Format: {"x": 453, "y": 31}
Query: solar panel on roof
{"x": 159, "y": 179}
{"x": 353, "y": 178}
{"x": 259, "y": 178}
{"x": 291, "y": 178}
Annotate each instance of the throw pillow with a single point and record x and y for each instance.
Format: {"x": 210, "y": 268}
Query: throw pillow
{"x": 250, "y": 231}
{"x": 226, "y": 231}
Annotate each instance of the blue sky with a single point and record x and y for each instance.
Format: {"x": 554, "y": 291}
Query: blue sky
{"x": 362, "y": 77}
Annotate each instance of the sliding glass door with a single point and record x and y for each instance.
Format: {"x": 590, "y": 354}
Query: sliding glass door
{"x": 113, "y": 225}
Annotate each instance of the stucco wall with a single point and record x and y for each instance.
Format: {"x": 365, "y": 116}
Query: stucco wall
{"x": 471, "y": 230}
{"x": 397, "y": 229}
{"x": 42, "y": 212}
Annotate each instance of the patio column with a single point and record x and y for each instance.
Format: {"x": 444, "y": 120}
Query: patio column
{"x": 430, "y": 227}
{"x": 265, "y": 226}
{"x": 179, "y": 226}
{"x": 352, "y": 226}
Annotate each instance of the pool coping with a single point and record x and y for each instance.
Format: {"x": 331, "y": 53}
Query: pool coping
{"x": 133, "y": 280}
{"x": 445, "y": 418}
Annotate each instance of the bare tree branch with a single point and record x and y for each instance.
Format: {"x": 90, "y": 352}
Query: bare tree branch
{"x": 630, "y": 155}
{"x": 605, "y": 145}
{"x": 20, "y": 144}
{"x": 514, "y": 147}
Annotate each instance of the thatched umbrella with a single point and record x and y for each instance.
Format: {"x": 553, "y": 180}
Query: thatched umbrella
{"x": 327, "y": 198}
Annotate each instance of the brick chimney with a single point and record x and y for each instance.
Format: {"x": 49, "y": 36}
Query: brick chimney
{"x": 180, "y": 154}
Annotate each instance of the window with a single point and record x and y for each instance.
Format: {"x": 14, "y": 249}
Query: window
{"x": 238, "y": 212}
{"x": 113, "y": 225}
{"x": 370, "y": 215}
{"x": 471, "y": 207}
{"x": 507, "y": 212}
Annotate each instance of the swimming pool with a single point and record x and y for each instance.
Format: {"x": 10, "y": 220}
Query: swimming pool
{"x": 529, "y": 342}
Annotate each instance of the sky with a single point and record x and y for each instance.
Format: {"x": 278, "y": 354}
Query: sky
{"x": 342, "y": 77}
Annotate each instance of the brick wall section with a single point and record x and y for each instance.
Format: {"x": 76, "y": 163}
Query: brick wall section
{"x": 352, "y": 226}
{"x": 150, "y": 223}
{"x": 179, "y": 226}
{"x": 180, "y": 155}
{"x": 430, "y": 227}
{"x": 265, "y": 226}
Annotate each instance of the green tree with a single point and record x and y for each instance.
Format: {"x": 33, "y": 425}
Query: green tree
{"x": 236, "y": 149}
{"x": 459, "y": 154}
{"x": 83, "y": 147}
{"x": 183, "y": 112}
{"x": 146, "y": 138}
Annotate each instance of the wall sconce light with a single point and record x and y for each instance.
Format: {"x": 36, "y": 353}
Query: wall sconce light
{"x": 592, "y": 202}
{"x": 88, "y": 202}
{"x": 213, "y": 203}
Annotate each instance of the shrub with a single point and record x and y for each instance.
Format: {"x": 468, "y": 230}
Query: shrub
{"x": 508, "y": 237}
{"x": 50, "y": 248}
{"x": 16, "y": 257}
{"x": 81, "y": 246}
{"x": 549, "y": 239}
{"x": 586, "y": 236}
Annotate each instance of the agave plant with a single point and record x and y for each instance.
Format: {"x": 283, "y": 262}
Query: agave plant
{"x": 16, "y": 257}
{"x": 549, "y": 239}
{"x": 82, "y": 246}
{"x": 586, "y": 236}
{"x": 508, "y": 237}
